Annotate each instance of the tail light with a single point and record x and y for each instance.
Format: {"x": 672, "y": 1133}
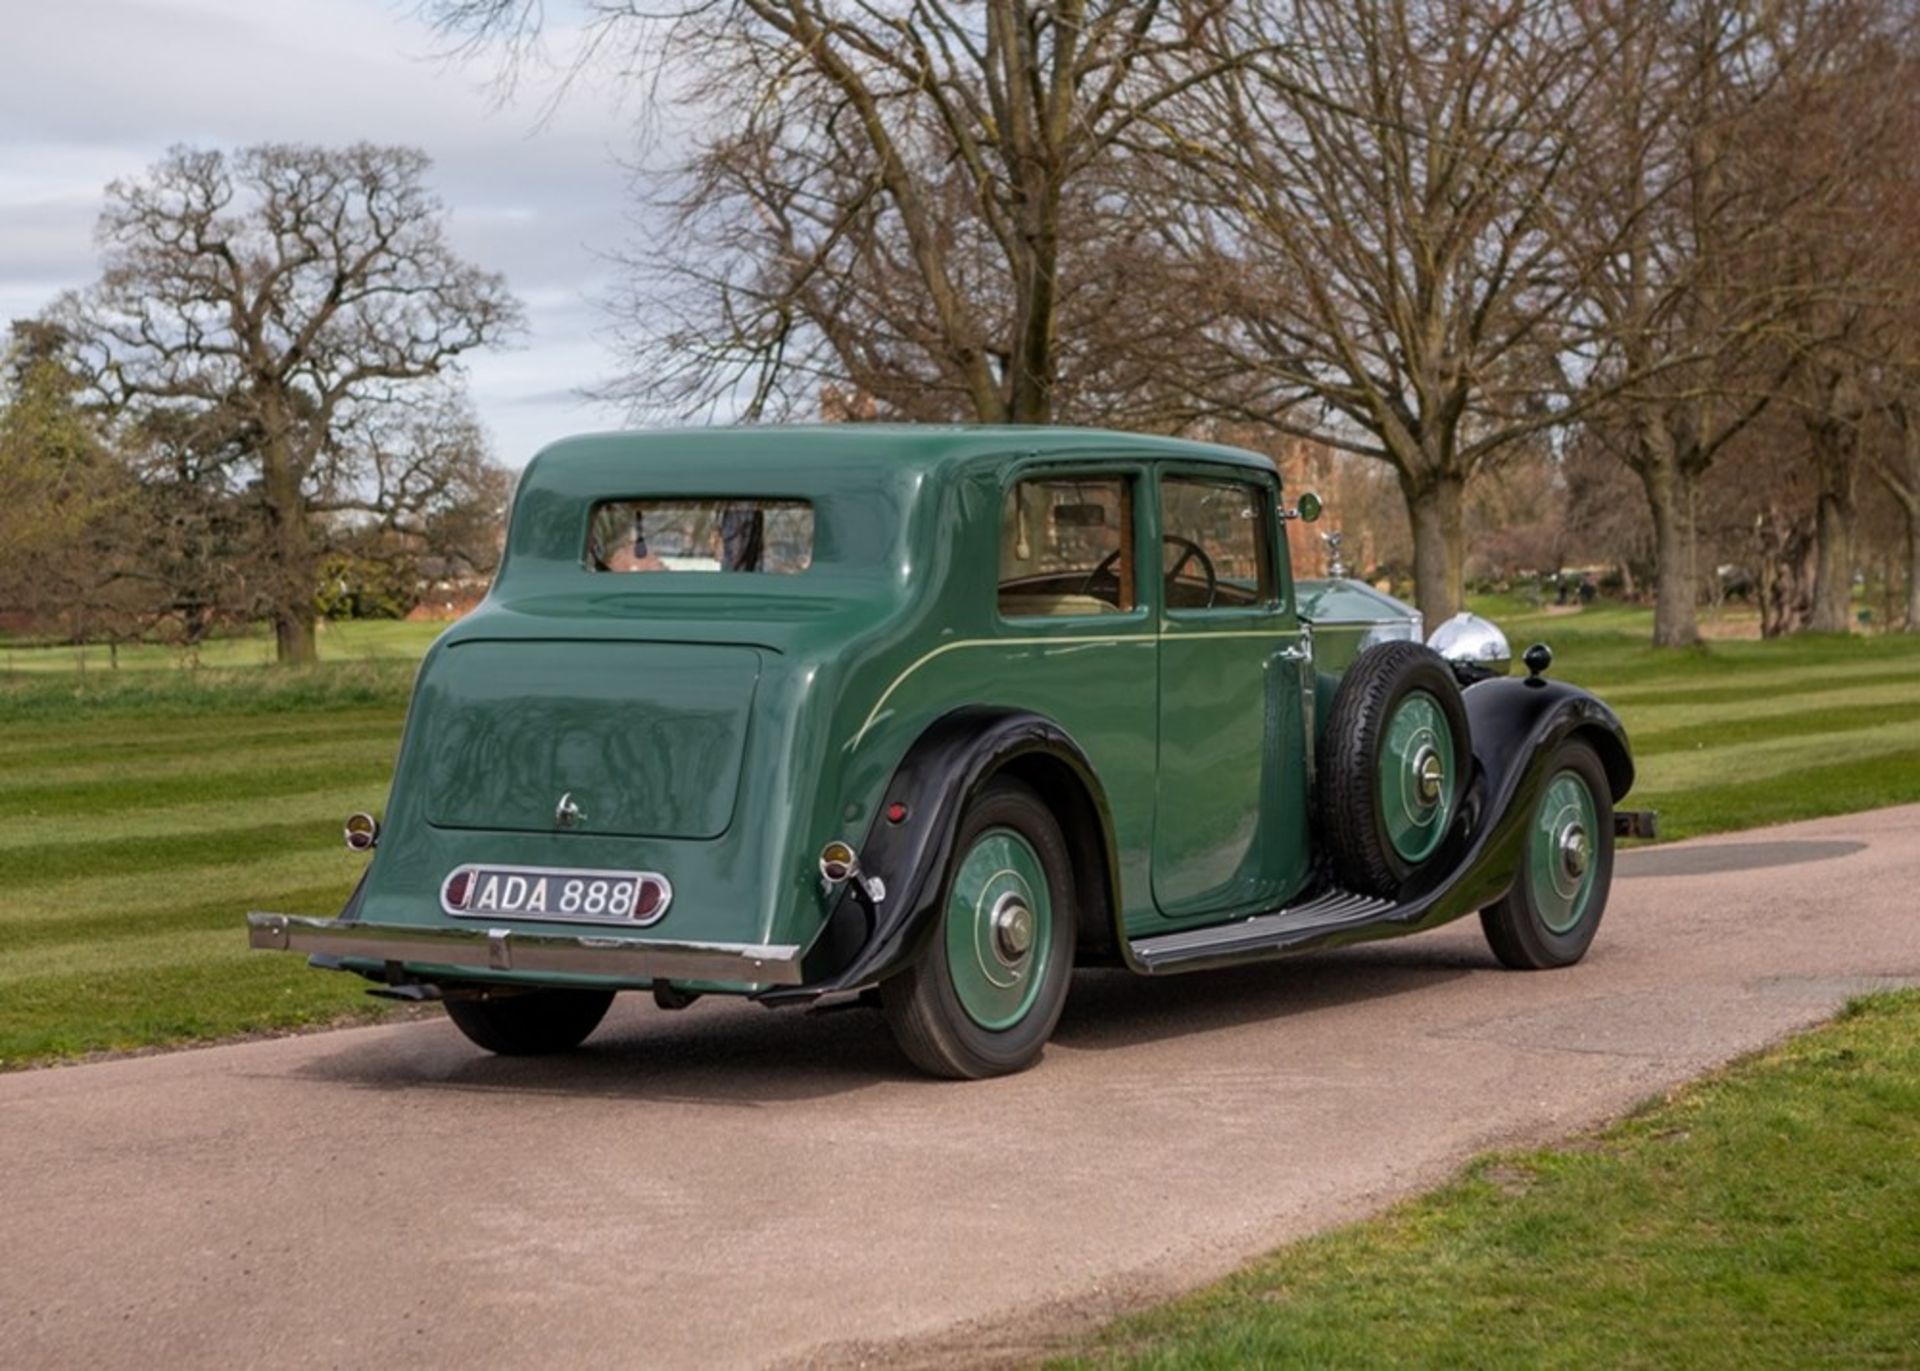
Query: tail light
{"x": 650, "y": 899}
{"x": 838, "y": 862}
{"x": 362, "y": 832}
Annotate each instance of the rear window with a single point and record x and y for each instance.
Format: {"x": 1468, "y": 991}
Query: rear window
{"x": 679, "y": 534}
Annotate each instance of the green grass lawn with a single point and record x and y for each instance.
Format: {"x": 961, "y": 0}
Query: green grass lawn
{"x": 1768, "y": 1216}
{"x": 143, "y": 810}
{"x": 349, "y": 641}
{"x": 1746, "y": 732}
{"x": 1741, "y": 733}
{"x": 141, "y": 815}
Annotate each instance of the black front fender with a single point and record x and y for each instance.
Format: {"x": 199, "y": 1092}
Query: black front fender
{"x": 1516, "y": 727}
{"x": 1511, "y": 720}
{"x": 865, "y": 940}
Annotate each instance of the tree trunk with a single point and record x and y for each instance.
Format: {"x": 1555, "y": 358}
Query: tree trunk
{"x": 1030, "y": 397}
{"x": 1784, "y": 540}
{"x": 1903, "y": 483}
{"x": 291, "y": 548}
{"x": 1913, "y": 570}
{"x": 1670, "y": 488}
{"x": 1833, "y": 548}
{"x": 293, "y": 636}
{"x": 1439, "y": 537}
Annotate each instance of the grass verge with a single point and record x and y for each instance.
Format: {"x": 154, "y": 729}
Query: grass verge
{"x": 1766, "y": 1216}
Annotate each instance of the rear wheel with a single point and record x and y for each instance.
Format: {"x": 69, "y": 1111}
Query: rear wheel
{"x": 984, "y": 993}
{"x": 530, "y": 1023}
{"x": 1550, "y": 916}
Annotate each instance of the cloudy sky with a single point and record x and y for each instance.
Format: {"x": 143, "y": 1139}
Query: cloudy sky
{"x": 91, "y": 90}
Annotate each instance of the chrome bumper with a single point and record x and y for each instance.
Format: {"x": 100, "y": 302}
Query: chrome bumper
{"x": 503, "y": 949}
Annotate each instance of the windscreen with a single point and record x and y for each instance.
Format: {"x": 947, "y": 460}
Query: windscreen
{"x": 719, "y": 534}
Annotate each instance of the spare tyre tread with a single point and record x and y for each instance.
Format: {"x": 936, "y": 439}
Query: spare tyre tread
{"x": 1350, "y": 821}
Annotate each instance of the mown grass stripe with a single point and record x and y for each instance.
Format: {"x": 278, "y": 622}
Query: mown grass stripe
{"x": 1741, "y": 733}
{"x": 157, "y": 856}
{"x": 226, "y": 889}
{"x": 1691, "y": 769}
{"x": 84, "y": 938}
{"x": 244, "y": 784}
{"x": 198, "y": 760}
{"x": 1842, "y": 787}
{"x": 129, "y": 741}
{"x": 247, "y": 694}
{"x": 323, "y": 809}
{"x": 1805, "y": 704}
{"x": 1756, "y": 688}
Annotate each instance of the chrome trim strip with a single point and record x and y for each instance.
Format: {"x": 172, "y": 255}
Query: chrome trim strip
{"x": 505, "y": 949}
{"x": 1050, "y": 640}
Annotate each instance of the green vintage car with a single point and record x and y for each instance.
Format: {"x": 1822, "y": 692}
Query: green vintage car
{"x": 928, "y": 717}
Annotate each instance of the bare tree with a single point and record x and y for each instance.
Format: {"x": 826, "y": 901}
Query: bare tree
{"x": 280, "y": 298}
{"x": 892, "y": 198}
{"x": 1694, "y": 180}
{"x": 1855, "y": 268}
{"x": 421, "y": 476}
{"x": 1370, "y": 199}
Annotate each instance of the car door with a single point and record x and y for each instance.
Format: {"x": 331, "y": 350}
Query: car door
{"x": 1231, "y": 784}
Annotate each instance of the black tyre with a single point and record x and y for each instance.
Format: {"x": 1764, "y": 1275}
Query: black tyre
{"x": 530, "y": 1023}
{"x": 1560, "y": 892}
{"x": 1393, "y": 765}
{"x": 984, "y": 993}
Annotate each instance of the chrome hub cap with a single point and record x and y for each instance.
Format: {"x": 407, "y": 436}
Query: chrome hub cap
{"x": 1429, "y": 774}
{"x": 1561, "y": 852}
{"x": 1575, "y": 851}
{"x": 999, "y": 929}
{"x": 1012, "y": 928}
{"x": 1414, "y": 782}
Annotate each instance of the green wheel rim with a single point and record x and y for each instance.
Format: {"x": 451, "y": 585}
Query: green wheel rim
{"x": 1417, "y": 783}
{"x": 1562, "y": 852}
{"x": 999, "y": 929}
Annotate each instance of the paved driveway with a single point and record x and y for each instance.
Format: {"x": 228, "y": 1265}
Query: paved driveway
{"x": 733, "y": 1186}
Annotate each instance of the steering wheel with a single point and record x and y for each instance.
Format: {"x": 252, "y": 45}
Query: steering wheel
{"x": 1190, "y": 551}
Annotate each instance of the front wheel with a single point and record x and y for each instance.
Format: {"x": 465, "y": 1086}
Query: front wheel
{"x": 984, "y": 993}
{"x": 530, "y": 1023}
{"x": 1550, "y": 916}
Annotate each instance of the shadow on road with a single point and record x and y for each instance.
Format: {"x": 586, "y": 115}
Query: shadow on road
{"x": 741, "y": 1056}
{"x": 1717, "y": 858}
{"x": 1116, "y": 1009}
{"x": 715, "y": 1053}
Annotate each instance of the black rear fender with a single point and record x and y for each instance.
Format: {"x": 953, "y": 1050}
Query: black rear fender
{"x": 865, "y": 940}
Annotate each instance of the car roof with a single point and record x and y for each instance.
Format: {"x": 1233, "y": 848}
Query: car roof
{"x": 614, "y": 458}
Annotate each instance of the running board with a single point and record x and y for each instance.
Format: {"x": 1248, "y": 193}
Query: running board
{"x": 1294, "y": 929}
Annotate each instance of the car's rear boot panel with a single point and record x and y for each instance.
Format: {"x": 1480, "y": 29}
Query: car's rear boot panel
{"x": 641, "y": 739}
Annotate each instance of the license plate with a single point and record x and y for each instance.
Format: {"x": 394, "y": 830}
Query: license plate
{"x": 565, "y": 894}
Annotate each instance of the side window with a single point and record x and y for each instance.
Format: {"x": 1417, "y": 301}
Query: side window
{"x": 1066, "y": 547}
{"x": 1215, "y": 544}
